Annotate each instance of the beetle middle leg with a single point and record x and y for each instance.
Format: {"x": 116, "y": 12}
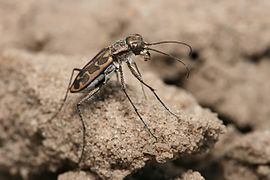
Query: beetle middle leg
{"x": 107, "y": 75}
{"x": 123, "y": 85}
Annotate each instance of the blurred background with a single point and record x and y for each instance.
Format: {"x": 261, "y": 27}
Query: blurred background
{"x": 229, "y": 65}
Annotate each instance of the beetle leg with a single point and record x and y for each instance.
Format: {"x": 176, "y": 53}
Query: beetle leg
{"x": 137, "y": 69}
{"x": 123, "y": 85}
{"x": 109, "y": 72}
{"x": 131, "y": 61}
{"x": 66, "y": 95}
{"x": 85, "y": 99}
{"x": 117, "y": 77}
{"x": 152, "y": 89}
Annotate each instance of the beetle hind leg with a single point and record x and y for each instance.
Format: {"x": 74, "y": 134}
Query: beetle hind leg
{"x": 65, "y": 98}
{"x": 85, "y": 99}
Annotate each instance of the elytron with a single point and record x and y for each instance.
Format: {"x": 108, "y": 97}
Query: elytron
{"x": 108, "y": 62}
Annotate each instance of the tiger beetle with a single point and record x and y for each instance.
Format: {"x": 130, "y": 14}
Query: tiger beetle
{"x": 108, "y": 62}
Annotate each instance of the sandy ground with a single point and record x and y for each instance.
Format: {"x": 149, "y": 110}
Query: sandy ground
{"x": 223, "y": 128}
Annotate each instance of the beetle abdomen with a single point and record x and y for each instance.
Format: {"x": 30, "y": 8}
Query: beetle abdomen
{"x": 92, "y": 71}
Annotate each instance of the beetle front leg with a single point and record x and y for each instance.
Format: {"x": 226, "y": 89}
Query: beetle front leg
{"x": 137, "y": 75}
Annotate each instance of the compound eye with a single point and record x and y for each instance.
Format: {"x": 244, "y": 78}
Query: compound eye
{"x": 136, "y": 48}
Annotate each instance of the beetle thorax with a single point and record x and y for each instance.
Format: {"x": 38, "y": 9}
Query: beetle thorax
{"x": 118, "y": 47}
{"x": 121, "y": 50}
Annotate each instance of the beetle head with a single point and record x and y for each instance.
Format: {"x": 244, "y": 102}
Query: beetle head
{"x": 137, "y": 46}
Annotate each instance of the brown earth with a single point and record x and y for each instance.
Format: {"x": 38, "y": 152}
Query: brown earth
{"x": 42, "y": 41}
